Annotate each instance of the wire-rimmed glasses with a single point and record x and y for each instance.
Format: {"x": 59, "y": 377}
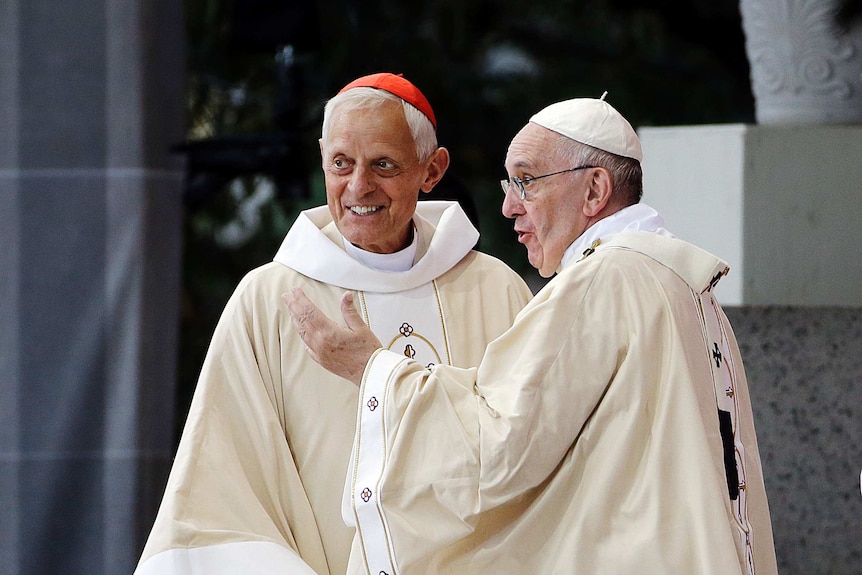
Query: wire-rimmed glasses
{"x": 520, "y": 184}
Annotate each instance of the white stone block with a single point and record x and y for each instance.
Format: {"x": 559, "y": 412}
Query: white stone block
{"x": 781, "y": 204}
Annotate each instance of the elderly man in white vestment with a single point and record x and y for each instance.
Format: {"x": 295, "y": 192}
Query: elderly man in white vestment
{"x": 609, "y": 431}
{"x": 257, "y": 484}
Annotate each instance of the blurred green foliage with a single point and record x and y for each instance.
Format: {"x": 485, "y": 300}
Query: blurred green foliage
{"x": 485, "y": 66}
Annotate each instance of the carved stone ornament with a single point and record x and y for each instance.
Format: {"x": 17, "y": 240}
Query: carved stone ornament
{"x": 805, "y": 69}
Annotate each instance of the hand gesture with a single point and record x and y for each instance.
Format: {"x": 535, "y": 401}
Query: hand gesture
{"x": 342, "y": 350}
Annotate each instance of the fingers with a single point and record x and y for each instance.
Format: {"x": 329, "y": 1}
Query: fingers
{"x": 294, "y": 301}
{"x": 298, "y": 313}
{"x": 307, "y": 319}
{"x": 350, "y": 314}
{"x": 312, "y": 324}
{"x": 343, "y": 351}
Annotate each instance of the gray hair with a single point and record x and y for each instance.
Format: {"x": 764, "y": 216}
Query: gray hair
{"x": 626, "y": 172}
{"x": 424, "y": 135}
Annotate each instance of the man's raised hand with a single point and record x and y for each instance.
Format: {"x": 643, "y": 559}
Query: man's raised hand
{"x": 342, "y": 350}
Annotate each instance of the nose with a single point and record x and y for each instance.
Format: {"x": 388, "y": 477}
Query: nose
{"x": 361, "y": 180}
{"x": 512, "y": 205}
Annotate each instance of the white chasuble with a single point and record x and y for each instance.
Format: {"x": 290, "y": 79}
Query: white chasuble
{"x": 258, "y": 481}
{"x": 589, "y": 439}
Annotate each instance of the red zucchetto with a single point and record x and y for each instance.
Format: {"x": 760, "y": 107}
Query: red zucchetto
{"x": 398, "y": 85}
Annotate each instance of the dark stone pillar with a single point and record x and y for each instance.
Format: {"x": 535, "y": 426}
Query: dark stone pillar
{"x": 90, "y": 242}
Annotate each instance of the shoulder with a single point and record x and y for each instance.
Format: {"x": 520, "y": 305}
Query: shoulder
{"x": 602, "y": 275}
{"x": 486, "y": 269}
{"x": 614, "y": 285}
{"x": 265, "y": 275}
{"x": 611, "y": 262}
{"x": 264, "y": 285}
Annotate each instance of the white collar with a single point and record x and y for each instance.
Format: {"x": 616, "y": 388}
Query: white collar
{"x": 638, "y": 217}
{"x": 314, "y": 248}
{"x": 400, "y": 261}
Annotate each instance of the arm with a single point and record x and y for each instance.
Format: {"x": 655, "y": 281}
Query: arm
{"x": 459, "y": 442}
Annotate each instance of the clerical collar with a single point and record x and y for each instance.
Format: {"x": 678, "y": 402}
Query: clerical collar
{"x": 638, "y": 217}
{"x": 396, "y": 262}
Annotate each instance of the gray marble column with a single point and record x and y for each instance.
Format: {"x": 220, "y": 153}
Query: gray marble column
{"x": 804, "y": 368}
{"x": 90, "y": 242}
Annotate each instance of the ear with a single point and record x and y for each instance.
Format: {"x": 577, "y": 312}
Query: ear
{"x": 320, "y": 143}
{"x": 599, "y": 191}
{"x": 437, "y": 165}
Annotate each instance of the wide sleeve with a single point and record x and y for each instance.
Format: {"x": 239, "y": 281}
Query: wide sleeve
{"x": 234, "y": 494}
{"x": 447, "y": 445}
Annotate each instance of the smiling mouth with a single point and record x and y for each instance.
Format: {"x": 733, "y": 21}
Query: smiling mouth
{"x": 363, "y": 210}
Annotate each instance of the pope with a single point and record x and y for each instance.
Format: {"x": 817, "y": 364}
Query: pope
{"x": 608, "y": 431}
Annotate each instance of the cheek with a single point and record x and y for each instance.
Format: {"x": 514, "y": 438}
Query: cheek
{"x": 551, "y": 225}
{"x": 402, "y": 205}
{"x": 332, "y": 200}
{"x": 538, "y": 221}
{"x": 335, "y": 187}
{"x": 562, "y": 228}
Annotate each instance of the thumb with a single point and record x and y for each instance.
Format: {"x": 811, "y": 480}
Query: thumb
{"x": 350, "y": 313}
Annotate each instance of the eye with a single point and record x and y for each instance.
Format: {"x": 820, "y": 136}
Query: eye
{"x": 339, "y": 164}
{"x": 387, "y": 168}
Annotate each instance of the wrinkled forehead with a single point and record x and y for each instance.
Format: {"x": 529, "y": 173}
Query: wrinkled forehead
{"x": 369, "y": 117}
{"x": 532, "y": 147}
{"x": 373, "y": 132}
{"x": 356, "y": 105}
{"x": 379, "y": 105}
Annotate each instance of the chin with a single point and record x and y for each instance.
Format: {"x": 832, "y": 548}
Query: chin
{"x": 534, "y": 261}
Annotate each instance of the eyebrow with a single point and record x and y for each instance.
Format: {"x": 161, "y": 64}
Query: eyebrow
{"x": 522, "y": 164}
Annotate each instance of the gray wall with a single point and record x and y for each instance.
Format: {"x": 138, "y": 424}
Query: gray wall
{"x": 804, "y": 367}
{"x": 90, "y": 235}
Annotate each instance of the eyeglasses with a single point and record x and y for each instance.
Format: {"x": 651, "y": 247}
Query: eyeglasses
{"x": 521, "y": 184}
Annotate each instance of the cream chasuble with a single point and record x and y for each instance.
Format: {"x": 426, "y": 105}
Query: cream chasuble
{"x": 609, "y": 431}
{"x": 258, "y": 479}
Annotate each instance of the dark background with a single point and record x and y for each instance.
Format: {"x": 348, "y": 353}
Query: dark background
{"x": 259, "y": 72}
